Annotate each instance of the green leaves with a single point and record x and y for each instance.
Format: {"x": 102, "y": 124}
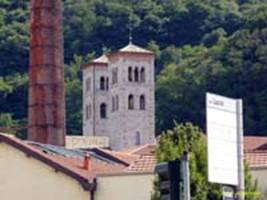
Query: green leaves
{"x": 183, "y": 137}
{"x": 187, "y": 137}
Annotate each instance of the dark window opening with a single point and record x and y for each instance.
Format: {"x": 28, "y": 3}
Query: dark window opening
{"x": 138, "y": 138}
{"x": 130, "y": 74}
{"x": 142, "y": 102}
{"x": 103, "y": 111}
{"x": 102, "y": 83}
{"x": 131, "y": 102}
{"x": 136, "y": 75}
{"x": 143, "y": 75}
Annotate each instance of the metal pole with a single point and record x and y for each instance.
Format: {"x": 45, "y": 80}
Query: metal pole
{"x": 186, "y": 176}
{"x": 241, "y": 179}
{"x": 94, "y": 102}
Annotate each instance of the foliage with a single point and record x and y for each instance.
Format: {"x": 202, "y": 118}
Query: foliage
{"x": 235, "y": 66}
{"x": 183, "y": 137}
{"x": 200, "y": 45}
{"x": 73, "y": 87}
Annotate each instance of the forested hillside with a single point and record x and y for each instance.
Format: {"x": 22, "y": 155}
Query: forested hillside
{"x": 201, "y": 45}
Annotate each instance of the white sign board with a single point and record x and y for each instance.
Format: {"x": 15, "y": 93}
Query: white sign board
{"x": 222, "y": 131}
{"x": 76, "y": 142}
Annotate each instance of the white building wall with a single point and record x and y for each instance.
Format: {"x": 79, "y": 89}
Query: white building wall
{"x": 125, "y": 187}
{"x": 25, "y": 178}
{"x": 260, "y": 175}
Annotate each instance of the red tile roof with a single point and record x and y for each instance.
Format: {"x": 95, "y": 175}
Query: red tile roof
{"x": 148, "y": 149}
{"x": 256, "y": 159}
{"x": 143, "y": 164}
{"x": 255, "y": 151}
{"x": 252, "y": 143}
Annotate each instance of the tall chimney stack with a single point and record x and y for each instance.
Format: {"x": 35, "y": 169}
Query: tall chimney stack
{"x": 46, "y": 114}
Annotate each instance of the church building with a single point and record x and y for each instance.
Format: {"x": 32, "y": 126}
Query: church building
{"x": 119, "y": 97}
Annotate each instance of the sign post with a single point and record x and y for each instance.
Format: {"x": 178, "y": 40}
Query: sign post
{"x": 225, "y": 142}
{"x": 186, "y": 176}
{"x": 241, "y": 176}
{"x": 228, "y": 193}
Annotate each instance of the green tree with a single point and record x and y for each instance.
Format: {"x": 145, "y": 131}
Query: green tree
{"x": 182, "y": 137}
{"x": 73, "y": 87}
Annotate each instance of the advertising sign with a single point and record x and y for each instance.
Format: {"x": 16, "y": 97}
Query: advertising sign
{"x": 222, "y": 130}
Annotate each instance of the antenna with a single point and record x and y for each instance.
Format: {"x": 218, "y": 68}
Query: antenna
{"x": 130, "y": 35}
{"x": 104, "y": 49}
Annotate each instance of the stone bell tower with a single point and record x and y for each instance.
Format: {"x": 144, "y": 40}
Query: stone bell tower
{"x": 119, "y": 99}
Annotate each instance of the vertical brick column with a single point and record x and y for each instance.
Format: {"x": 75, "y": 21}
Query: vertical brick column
{"x": 46, "y": 114}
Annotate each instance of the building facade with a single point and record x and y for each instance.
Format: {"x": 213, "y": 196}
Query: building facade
{"x": 30, "y": 172}
{"x": 119, "y": 97}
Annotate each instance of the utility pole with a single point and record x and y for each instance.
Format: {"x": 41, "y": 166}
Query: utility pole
{"x": 46, "y": 113}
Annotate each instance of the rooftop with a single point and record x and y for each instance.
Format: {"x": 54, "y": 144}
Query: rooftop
{"x": 131, "y": 48}
{"x": 255, "y": 151}
{"x": 253, "y": 143}
{"x": 102, "y": 59}
{"x": 71, "y": 162}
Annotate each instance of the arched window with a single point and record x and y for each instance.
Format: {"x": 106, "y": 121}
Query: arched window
{"x": 107, "y": 83}
{"x": 102, "y": 83}
{"x": 131, "y": 102}
{"x": 130, "y": 74}
{"x": 113, "y": 104}
{"x": 88, "y": 112}
{"x": 138, "y": 138}
{"x": 143, "y": 75}
{"x": 142, "y": 102}
{"x": 136, "y": 75}
{"x": 88, "y": 84}
{"x": 117, "y": 102}
{"x": 103, "y": 111}
{"x": 115, "y": 75}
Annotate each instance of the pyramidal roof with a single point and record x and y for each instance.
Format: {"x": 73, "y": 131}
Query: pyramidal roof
{"x": 102, "y": 59}
{"x": 131, "y": 48}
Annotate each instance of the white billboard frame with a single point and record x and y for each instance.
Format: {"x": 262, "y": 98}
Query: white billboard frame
{"x": 225, "y": 140}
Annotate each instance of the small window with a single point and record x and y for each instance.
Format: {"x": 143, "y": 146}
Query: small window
{"x": 130, "y": 74}
{"x": 138, "y": 138}
{"x": 136, "y": 75}
{"x": 102, "y": 83}
{"x": 88, "y": 112}
{"x": 113, "y": 104}
{"x": 115, "y": 75}
{"x": 143, "y": 75}
{"x": 107, "y": 83}
{"x": 131, "y": 102}
{"x": 103, "y": 111}
{"x": 117, "y": 102}
{"x": 88, "y": 84}
{"x": 142, "y": 102}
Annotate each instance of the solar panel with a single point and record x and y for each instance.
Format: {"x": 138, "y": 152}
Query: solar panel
{"x": 70, "y": 153}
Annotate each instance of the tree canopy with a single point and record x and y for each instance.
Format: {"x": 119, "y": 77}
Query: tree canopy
{"x": 201, "y": 45}
{"x": 187, "y": 137}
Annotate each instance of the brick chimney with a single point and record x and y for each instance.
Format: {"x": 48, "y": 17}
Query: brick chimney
{"x": 46, "y": 114}
{"x": 87, "y": 162}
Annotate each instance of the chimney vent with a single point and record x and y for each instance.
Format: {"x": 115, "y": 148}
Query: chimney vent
{"x": 87, "y": 164}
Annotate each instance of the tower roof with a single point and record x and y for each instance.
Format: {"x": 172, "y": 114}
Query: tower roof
{"x": 132, "y": 48}
{"x": 102, "y": 59}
